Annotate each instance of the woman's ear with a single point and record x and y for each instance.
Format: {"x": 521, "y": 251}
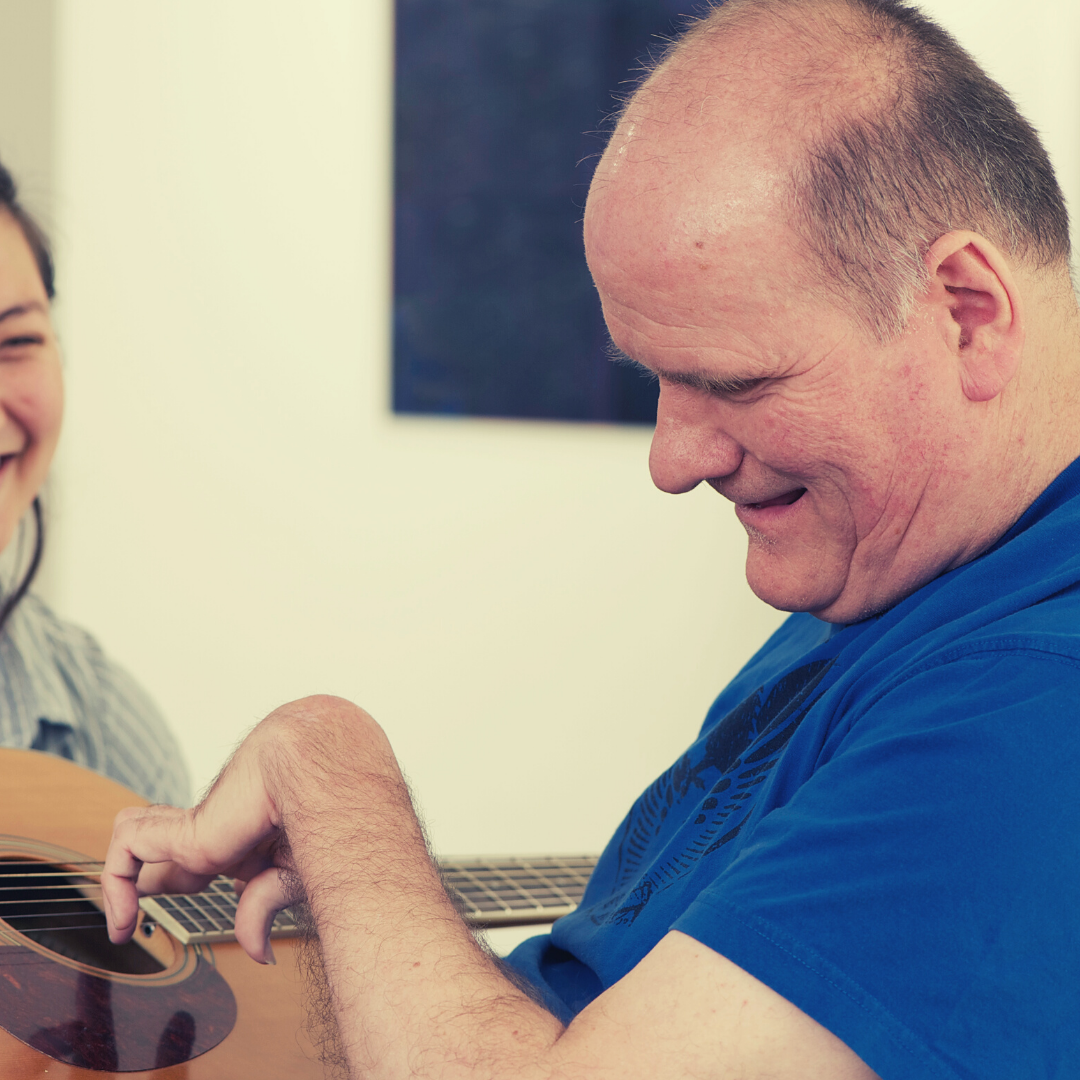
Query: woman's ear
{"x": 979, "y": 303}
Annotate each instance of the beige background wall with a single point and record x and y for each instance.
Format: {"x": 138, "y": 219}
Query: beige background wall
{"x": 240, "y": 519}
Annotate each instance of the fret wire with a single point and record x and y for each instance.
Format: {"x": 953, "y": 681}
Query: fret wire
{"x": 482, "y": 894}
{"x": 508, "y": 879}
{"x": 185, "y": 907}
{"x": 555, "y": 888}
{"x": 521, "y": 892}
{"x": 202, "y": 903}
{"x": 490, "y": 895}
{"x": 181, "y": 912}
{"x": 216, "y": 900}
{"x": 500, "y": 885}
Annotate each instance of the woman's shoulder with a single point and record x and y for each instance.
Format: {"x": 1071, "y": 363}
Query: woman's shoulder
{"x": 69, "y": 669}
{"x": 45, "y": 640}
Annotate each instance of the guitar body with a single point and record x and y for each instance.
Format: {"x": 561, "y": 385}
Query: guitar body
{"x": 204, "y": 1013}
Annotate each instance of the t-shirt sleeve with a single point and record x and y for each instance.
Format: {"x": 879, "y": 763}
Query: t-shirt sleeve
{"x": 918, "y": 896}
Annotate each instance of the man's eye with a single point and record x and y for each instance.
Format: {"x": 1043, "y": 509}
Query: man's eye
{"x": 742, "y": 389}
{"x": 21, "y": 340}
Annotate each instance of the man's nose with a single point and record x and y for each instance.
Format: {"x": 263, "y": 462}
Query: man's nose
{"x": 690, "y": 443}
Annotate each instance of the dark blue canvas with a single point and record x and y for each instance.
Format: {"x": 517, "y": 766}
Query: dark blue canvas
{"x": 882, "y": 823}
{"x": 499, "y": 106}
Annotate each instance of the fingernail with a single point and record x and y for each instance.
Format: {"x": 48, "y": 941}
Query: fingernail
{"x": 269, "y": 954}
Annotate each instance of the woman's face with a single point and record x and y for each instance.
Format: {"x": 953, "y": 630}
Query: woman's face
{"x": 31, "y": 390}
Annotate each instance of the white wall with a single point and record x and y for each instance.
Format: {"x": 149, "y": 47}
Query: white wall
{"x": 1033, "y": 50}
{"x": 241, "y": 519}
{"x": 28, "y": 98}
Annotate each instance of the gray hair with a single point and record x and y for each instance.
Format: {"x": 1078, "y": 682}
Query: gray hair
{"x": 943, "y": 148}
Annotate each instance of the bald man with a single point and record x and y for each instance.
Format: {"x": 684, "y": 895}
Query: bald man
{"x": 845, "y": 257}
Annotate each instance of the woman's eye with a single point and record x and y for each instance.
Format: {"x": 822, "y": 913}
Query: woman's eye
{"x": 25, "y": 339}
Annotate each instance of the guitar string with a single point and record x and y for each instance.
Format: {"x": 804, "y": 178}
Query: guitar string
{"x": 494, "y": 879}
{"x": 43, "y": 900}
{"x": 512, "y": 877}
{"x": 496, "y": 886}
{"x": 457, "y": 875}
{"x": 507, "y": 869}
{"x": 58, "y": 929}
{"x": 41, "y": 862}
{"x": 486, "y": 878}
{"x": 194, "y": 919}
{"x": 495, "y": 872}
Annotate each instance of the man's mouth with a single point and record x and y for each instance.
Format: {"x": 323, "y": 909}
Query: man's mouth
{"x": 786, "y": 499}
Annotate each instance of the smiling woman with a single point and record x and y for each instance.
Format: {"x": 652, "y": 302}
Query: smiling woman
{"x": 58, "y": 691}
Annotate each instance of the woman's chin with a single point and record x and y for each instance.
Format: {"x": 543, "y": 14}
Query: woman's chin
{"x": 11, "y": 513}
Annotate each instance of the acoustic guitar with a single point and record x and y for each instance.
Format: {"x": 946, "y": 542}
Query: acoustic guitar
{"x": 181, "y": 1000}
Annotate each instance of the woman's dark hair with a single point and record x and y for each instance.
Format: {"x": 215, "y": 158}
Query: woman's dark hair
{"x": 39, "y": 248}
{"x": 35, "y": 237}
{"x": 9, "y": 602}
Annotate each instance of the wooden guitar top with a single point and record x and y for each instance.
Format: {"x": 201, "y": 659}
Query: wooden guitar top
{"x": 55, "y": 802}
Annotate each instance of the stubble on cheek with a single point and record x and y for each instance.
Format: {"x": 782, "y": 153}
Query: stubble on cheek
{"x": 756, "y": 536}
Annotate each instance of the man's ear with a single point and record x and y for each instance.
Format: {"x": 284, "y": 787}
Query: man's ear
{"x": 979, "y": 303}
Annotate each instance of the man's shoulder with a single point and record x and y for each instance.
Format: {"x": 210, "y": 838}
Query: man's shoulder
{"x": 1050, "y": 625}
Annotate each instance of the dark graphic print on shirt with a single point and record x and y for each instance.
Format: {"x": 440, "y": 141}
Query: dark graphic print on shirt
{"x": 724, "y": 774}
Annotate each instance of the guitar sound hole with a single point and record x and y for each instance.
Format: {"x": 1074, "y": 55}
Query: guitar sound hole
{"x": 43, "y": 902}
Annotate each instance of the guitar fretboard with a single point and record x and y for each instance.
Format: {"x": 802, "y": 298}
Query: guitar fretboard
{"x": 489, "y": 891}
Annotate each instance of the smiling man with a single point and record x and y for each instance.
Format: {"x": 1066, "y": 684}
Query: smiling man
{"x": 863, "y": 461}
{"x": 845, "y": 256}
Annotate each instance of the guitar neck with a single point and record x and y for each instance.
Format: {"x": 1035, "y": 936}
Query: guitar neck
{"x": 488, "y": 891}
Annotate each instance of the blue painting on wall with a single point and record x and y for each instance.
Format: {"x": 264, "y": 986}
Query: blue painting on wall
{"x": 500, "y": 112}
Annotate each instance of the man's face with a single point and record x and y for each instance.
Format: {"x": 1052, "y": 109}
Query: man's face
{"x": 841, "y": 455}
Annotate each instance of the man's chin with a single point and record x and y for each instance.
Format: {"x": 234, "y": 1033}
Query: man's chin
{"x": 787, "y": 586}
{"x": 828, "y": 606}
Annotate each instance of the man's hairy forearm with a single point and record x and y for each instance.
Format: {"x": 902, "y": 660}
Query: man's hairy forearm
{"x": 413, "y": 992}
{"x": 313, "y": 804}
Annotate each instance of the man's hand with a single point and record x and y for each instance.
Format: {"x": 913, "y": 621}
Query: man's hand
{"x": 313, "y": 802}
{"x": 234, "y": 831}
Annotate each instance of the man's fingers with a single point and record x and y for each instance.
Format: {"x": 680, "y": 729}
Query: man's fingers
{"x": 170, "y": 878}
{"x": 152, "y": 834}
{"x": 120, "y": 899}
{"x": 263, "y": 897}
{"x": 234, "y": 830}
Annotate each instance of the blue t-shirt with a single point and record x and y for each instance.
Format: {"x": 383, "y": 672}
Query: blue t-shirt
{"x": 882, "y": 823}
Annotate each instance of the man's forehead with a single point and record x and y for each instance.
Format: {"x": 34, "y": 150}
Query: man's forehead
{"x": 760, "y": 83}
{"x": 688, "y": 179}
{"x": 665, "y": 202}
{"x": 692, "y": 157}
{"x": 669, "y": 117}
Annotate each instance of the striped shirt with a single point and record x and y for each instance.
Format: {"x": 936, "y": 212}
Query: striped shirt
{"x": 61, "y": 694}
